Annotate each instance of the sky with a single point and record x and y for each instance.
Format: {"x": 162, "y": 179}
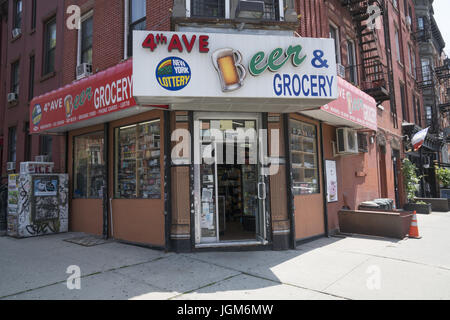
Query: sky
{"x": 441, "y": 15}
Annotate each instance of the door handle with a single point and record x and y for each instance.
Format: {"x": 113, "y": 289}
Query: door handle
{"x": 262, "y": 187}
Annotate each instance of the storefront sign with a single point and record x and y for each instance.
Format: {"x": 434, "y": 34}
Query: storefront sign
{"x": 190, "y": 68}
{"x": 353, "y": 105}
{"x": 101, "y": 94}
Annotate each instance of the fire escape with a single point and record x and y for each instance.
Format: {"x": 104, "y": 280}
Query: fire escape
{"x": 443, "y": 75}
{"x": 376, "y": 65}
{"x": 433, "y": 81}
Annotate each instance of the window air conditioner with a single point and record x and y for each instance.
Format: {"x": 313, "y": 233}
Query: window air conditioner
{"x": 341, "y": 70}
{"x": 11, "y": 166}
{"x": 84, "y": 70}
{"x": 347, "y": 141}
{"x": 12, "y": 97}
{"x": 408, "y": 22}
{"x": 16, "y": 32}
{"x": 250, "y": 9}
{"x": 41, "y": 158}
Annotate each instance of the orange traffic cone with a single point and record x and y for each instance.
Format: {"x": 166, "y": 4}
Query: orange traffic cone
{"x": 414, "y": 229}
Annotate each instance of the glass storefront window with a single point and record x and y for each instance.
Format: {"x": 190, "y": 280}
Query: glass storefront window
{"x": 89, "y": 166}
{"x": 305, "y": 169}
{"x": 138, "y": 152}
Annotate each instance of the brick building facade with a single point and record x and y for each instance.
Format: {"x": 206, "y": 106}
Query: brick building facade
{"x": 382, "y": 62}
{"x": 24, "y": 28}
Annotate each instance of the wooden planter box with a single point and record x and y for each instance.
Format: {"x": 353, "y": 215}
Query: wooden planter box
{"x": 437, "y": 204}
{"x": 375, "y": 223}
{"x": 418, "y": 208}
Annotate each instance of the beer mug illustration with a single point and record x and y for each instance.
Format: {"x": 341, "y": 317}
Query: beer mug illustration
{"x": 350, "y": 102}
{"x": 231, "y": 72}
{"x": 68, "y": 103}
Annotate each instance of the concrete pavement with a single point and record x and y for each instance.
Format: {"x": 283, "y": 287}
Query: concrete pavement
{"x": 328, "y": 268}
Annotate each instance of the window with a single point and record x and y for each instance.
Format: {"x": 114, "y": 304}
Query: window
{"x": 395, "y": 4}
{"x": 27, "y": 146}
{"x": 420, "y": 23}
{"x": 85, "y": 39}
{"x": 419, "y": 113}
{"x": 17, "y": 18}
{"x": 15, "y": 77}
{"x": 46, "y": 147}
{"x": 33, "y": 15}
{"x": 414, "y": 65}
{"x": 208, "y": 8}
{"x": 305, "y": 169}
{"x": 397, "y": 46}
{"x": 429, "y": 115}
{"x": 12, "y": 139}
{"x": 415, "y": 110}
{"x": 410, "y": 59}
{"x": 138, "y": 161}
{"x": 49, "y": 46}
{"x": 426, "y": 71}
{"x": 31, "y": 79}
{"x": 363, "y": 146}
{"x": 137, "y": 20}
{"x": 88, "y": 166}
{"x": 334, "y": 34}
{"x": 351, "y": 60}
{"x": 405, "y": 113}
{"x": 273, "y": 10}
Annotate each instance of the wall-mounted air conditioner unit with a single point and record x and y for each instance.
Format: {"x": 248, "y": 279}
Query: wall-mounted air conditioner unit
{"x": 340, "y": 70}
{"x": 84, "y": 70}
{"x": 347, "y": 141}
{"x": 11, "y": 166}
{"x": 16, "y": 32}
{"x": 13, "y": 97}
{"x": 41, "y": 158}
{"x": 408, "y": 22}
{"x": 250, "y": 9}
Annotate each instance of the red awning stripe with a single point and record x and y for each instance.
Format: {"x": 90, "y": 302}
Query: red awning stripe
{"x": 103, "y": 93}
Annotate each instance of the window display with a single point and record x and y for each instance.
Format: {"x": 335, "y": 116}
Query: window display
{"x": 138, "y": 153}
{"x": 89, "y": 166}
{"x": 305, "y": 170}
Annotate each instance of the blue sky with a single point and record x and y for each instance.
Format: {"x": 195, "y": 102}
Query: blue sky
{"x": 441, "y": 14}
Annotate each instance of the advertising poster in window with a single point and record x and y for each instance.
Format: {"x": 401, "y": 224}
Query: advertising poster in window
{"x": 332, "y": 185}
{"x": 46, "y": 187}
{"x": 13, "y": 193}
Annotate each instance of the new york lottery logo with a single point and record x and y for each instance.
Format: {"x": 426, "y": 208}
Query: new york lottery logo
{"x": 173, "y": 74}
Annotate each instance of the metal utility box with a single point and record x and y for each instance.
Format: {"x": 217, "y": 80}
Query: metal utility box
{"x": 37, "y": 204}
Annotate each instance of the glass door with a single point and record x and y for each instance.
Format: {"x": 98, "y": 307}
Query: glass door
{"x": 230, "y": 190}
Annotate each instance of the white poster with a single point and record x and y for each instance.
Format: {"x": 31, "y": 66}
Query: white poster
{"x": 332, "y": 184}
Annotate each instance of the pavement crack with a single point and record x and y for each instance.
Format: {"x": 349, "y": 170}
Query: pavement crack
{"x": 82, "y": 277}
{"x": 269, "y": 279}
{"x": 205, "y": 286}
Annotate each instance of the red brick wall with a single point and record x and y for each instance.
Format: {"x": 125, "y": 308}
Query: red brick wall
{"x": 30, "y": 42}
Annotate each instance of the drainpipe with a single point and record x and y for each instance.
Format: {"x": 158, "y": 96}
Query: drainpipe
{"x": 324, "y": 182}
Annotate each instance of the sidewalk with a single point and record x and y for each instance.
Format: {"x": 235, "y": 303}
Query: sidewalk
{"x": 329, "y": 268}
